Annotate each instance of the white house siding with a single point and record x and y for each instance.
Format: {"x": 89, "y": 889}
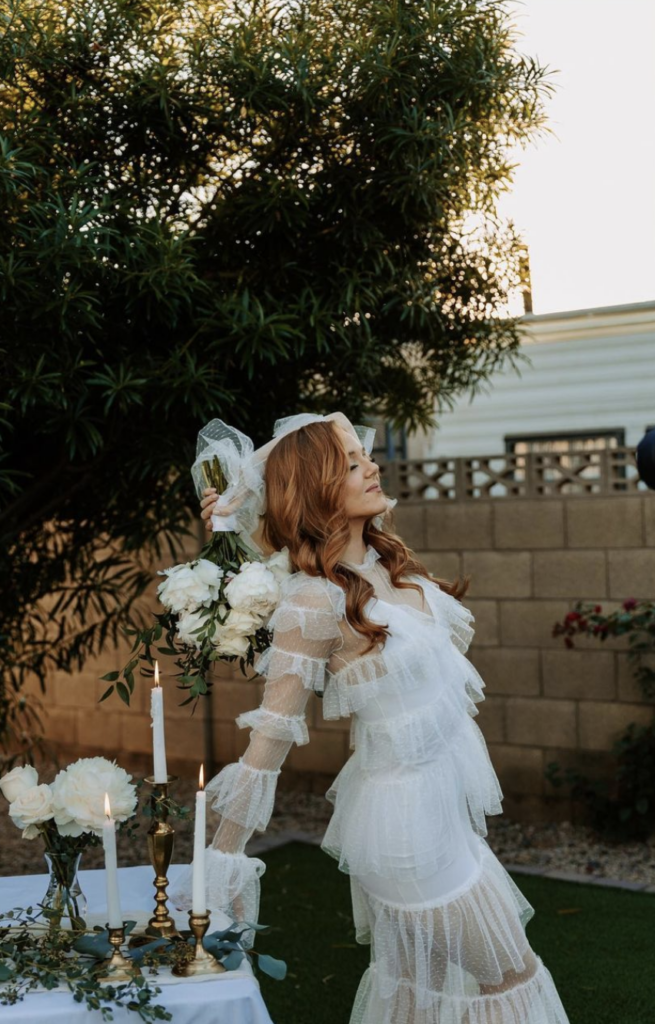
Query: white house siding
{"x": 591, "y": 369}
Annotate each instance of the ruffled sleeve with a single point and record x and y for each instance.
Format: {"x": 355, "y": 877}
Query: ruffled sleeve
{"x": 452, "y": 613}
{"x": 306, "y": 633}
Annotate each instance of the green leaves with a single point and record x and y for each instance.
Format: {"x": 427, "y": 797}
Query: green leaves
{"x": 227, "y": 210}
{"x": 96, "y": 945}
{"x": 47, "y": 958}
{"x": 121, "y": 385}
{"x": 274, "y": 968}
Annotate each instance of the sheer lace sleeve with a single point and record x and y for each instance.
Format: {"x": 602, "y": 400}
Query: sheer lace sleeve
{"x": 305, "y": 634}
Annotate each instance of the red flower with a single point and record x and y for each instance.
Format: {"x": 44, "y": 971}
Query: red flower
{"x": 598, "y": 609}
{"x": 572, "y": 617}
{"x": 630, "y": 604}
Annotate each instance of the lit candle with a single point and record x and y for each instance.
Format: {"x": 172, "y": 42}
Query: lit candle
{"x": 158, "y": 742}
{"x": 198, "y": 889}
{"x": 114, "y": 915}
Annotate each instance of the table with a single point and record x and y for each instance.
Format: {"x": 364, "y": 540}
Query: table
{"x": 230, "y": 998}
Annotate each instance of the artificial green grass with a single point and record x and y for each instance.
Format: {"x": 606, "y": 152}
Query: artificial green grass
{"x": 598, "y": 943}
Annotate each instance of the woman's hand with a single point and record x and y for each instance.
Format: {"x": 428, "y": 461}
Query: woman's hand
{"x": 207, "y": 504}
{"x": 210, "y": 508}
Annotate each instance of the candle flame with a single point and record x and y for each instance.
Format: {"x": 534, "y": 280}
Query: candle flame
{"x": 201, "y": 777}
{"x": 107, "y": 806}
{"x": 156, "y": 673}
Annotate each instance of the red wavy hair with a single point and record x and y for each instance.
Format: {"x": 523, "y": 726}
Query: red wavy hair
{"x": 305, "y": 476}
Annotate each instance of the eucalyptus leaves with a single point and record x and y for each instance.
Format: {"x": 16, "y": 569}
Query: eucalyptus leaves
{"x": 34, "y": 957}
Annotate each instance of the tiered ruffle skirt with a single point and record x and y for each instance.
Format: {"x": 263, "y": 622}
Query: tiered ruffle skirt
{"x": 445, "y": 921}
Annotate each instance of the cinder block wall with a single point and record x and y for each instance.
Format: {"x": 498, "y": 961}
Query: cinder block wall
{"x": 529, "y": 562}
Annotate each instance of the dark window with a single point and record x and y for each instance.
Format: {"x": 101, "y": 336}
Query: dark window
{"x": 587, "y": 440}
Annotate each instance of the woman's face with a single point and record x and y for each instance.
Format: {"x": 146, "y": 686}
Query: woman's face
{"x": 363, "y": 496}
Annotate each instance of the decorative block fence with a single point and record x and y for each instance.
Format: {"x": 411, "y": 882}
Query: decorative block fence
{"x": 562, "y": 531}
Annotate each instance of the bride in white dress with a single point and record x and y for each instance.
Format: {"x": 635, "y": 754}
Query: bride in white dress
{"x": 363, "y": 624}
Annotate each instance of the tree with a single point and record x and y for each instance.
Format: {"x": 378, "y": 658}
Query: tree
{"x": 242, "y": 210}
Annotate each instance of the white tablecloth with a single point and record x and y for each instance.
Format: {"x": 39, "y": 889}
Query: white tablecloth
{"x": 230, "y": 998}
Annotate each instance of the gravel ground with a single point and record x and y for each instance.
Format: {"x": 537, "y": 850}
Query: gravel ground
{"x": 546, "y": 846}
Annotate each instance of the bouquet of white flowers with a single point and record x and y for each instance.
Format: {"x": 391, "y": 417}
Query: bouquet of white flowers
{"x": 68, "y": 815}
{"x": 217, "y": 606}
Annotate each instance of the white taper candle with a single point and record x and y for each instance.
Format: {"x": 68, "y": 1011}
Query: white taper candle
{"x": 158, "y": 741}
{"x": 114, "y": 914}
{"x": 198, "y": 887}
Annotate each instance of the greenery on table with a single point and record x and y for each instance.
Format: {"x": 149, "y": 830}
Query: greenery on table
{"x": 243, "y": 210}
{"x": 33, "y": 956}
{"x": 622, "y": 807}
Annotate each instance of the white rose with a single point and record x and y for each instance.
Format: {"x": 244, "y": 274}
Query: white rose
{"x": 233, "y": 643}
{"x": 18, "y": 781}
{"x": 33, "y": 807}
{"x": 279, "y": 563}
{"x": 79, "y": 795}
{"x": 188, "y": 587}
{"x": 243, "y": 623}
{"x": 254, "y": 590}
{"x": 186, "y": 624}
{"x": 233, "y": 636}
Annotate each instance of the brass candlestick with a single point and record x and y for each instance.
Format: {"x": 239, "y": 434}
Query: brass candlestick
{"x": 161, "y": 837}
{"x": 203, "y": 962}
{"x": 118, "y": 967}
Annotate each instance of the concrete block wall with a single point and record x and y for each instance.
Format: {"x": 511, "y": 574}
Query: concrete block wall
{"x": 529, "y": 562}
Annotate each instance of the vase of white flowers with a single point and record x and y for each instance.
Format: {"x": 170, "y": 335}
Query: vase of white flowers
{"x": 64, "y": 904}
{"x": 67, "y": 815}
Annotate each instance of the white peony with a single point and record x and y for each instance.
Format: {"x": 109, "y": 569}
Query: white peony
{"x": 279, "y": 563}
{"x": 233, "y": 643}
{"x": 32, "y": 808}
{"x": 186, "y": 624}
{"x": 79, "y": 795}
{"x": 189, "y": 586}
{"x": 233, "y": 636}
{"x": 18, "y": 781}
{"x": 254, "y": 590}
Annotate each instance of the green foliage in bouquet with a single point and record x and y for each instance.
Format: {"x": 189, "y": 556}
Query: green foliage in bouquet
{"x": 623, "y": 807}
{"x": 196, "y": 627}
{"x": 193, "y": 660}
{"x": 244, "y": 210}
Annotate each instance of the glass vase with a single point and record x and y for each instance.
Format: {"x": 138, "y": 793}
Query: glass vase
{"x": 64, "y": 903}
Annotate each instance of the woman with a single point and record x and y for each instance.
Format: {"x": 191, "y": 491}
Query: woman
{"x": 362, "y": 623}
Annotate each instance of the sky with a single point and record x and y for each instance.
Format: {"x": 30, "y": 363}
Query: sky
{"x": 584, "y": 196}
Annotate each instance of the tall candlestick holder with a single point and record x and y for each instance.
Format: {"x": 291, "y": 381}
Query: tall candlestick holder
{"x": 161, "y": 836}
{"x": 118, "y": 967}
{"x": 202, "y": 962}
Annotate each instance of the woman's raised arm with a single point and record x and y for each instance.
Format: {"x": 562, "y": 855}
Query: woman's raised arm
{"x": 305, "y": 633}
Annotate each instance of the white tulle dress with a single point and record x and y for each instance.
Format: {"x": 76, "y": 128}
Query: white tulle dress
{"x": 445, "y": 921}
